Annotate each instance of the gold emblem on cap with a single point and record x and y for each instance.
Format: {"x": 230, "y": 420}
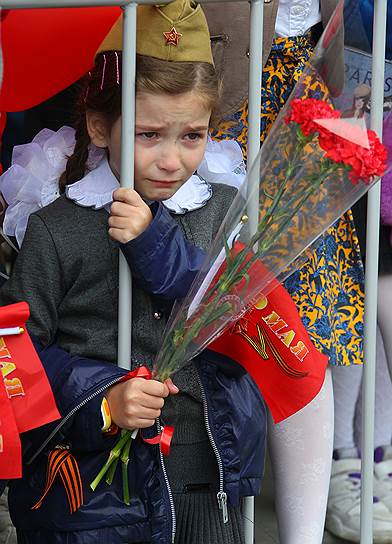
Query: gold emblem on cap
{"x": 172, "y": 37}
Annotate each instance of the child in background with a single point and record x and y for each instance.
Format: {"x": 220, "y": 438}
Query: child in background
{"x": 67, "y": 271}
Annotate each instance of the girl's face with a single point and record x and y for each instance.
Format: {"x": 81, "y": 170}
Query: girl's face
{"x": 170, "y": 140}
{"x": 359, "y": 103}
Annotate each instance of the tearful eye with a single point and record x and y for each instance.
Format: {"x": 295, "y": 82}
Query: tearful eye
{"x": 147, "y": 135}
{"x": 193, "y": 136}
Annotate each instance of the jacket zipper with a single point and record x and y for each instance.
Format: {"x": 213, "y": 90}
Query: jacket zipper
{"x": 221, "y": 495}
{"x": 169, "y": 491}
{"x": 80, "y": 405}
{"x": 70, "y": 414}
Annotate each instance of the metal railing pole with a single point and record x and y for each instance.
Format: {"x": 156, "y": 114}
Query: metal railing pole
{"x": 372, "y": 250}
{"x": 29, "y": 4}
{"x": 127, "y": 177}
{"x": 255, "y": 78}
{"x": 254, "y": 123}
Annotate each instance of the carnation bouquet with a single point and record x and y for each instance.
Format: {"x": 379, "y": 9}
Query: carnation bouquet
{"x": 312, "y": 167}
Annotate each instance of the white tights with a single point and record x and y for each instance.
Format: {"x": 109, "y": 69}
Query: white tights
{"x": 301, "y": 454}
{"x": 383, "y": 402}
{"x": 347, "y": 383}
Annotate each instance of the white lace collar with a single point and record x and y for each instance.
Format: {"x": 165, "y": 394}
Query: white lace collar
{"x": 222, "y": 162}
{"x": 32, "y": 181}
{"x": 95, "y": 190}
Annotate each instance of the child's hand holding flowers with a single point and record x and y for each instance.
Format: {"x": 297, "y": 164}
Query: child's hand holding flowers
{"x": 134, "y": 404}
{"x": 137, "y": 403}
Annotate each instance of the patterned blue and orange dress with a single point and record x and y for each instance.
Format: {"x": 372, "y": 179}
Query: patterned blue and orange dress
{"x": 329, "y": 288}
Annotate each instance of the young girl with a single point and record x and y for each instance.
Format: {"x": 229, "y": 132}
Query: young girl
{"x": 67, "y": 271}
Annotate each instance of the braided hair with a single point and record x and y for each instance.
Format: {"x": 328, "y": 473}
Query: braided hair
{"x": 98, "y": 93}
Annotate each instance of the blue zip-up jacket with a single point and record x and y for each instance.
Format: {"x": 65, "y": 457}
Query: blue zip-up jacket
{"x": 235, "y": 417}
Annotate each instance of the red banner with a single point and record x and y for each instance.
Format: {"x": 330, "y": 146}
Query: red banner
{"x": 10, "y": 447}
{"x": 27, "y": 393}
{"x": 271, "y": 343}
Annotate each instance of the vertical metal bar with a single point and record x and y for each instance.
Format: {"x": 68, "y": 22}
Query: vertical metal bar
{"x": 255, "y": 78}
{"x": 32, "y": 4}
{"x": 127, "y": 173}
{"x": 372, "y": 250}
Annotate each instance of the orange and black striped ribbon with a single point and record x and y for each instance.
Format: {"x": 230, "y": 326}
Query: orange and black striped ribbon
{"x": 287, "y": 369}
{"x": 62, "y": 462}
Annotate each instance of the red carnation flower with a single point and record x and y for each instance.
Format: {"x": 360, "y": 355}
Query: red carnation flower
{"x": 365, "y": 164}
{"x": 304, "y": 112}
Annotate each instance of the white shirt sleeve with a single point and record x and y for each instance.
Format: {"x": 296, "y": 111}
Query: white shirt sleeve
{"x": 295, "y": 17}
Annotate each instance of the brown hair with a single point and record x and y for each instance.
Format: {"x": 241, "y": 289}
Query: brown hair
{"x": 101, "y": 92}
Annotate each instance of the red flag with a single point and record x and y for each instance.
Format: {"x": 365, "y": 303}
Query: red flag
{"x": 10, "y": 447}
{"x": 25, "y": 380}
{"x": 271, "y": 343}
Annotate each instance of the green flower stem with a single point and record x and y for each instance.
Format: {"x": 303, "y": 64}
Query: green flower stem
{"x": 327, "y": 168}
{"x": 287, "y": 210}
{"x": 111, "y": 472}
{"x": 113, "y": 455}
{"x": 212, "y": 313}
{"x": 301, "y": 142}
{"x": 316, "y": 185}
{"x": 264, "y": 246}
{"x": 238, "y": 260}
{"x": 124, "y": 467}
{"x": 230, "y": 277}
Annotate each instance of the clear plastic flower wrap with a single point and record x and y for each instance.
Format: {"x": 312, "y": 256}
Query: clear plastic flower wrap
{"x": 312, "y": 167}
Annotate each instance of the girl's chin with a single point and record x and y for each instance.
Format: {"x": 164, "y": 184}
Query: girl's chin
{"x": 160, "y": 194}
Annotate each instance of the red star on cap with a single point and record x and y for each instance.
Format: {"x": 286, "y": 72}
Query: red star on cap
{"x": 172, "y": 37}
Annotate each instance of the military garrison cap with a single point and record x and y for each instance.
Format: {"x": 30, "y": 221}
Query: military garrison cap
{"x": 177, "y": 31}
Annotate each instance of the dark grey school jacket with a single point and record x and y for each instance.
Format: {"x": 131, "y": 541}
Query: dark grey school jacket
{"x": 67, "y": 270}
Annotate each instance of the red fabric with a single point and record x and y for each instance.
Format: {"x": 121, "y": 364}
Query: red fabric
{"x": 10, "y": 447}
{"x": 45, "y": 50}
{"x": 3, "y": 120}
{"x": 272, "y": 344}
{"x": 26, "y": 398}
{"x": 25, "y": 380}
{"x": 140, "y": 372}
{"x": 164, "y": 439}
